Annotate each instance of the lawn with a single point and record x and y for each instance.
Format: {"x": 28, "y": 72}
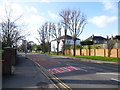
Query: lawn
{"x": 113, "y": 59}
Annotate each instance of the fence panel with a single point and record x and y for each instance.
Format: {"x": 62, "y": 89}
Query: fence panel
{"x": 96, "y": 52}
{"x": 99, "y": 52}
{"x": 77, "y": 51}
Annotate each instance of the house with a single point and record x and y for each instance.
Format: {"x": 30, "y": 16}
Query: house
{"x": 97, "y": 39}
{"x": 117, "y": 41}
{"x": 117, "y": 37}
{"x": 69, "y": 41}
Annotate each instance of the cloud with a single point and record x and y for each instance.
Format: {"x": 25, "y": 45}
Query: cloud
{"x": 34, "y": 10}
{"x": 102, "y": 21}
{"x": 34, "y": 19}
{"x": 110, "y": 5}
{"x": 31, "y": 19}
{"x": 29, "y": 13}
{"x": 52, "y": 15}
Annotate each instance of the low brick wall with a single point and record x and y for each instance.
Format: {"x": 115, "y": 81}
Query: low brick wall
{"x": 96, "y": 52}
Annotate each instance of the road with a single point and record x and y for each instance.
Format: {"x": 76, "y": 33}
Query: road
{"x": 79, "y": 74}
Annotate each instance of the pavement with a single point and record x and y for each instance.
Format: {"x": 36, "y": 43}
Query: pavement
{"x": 26, "y": 74}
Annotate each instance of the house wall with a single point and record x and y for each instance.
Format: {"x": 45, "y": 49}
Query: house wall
{"x": 99, "y": 41}
{"x": 54, "y": 44}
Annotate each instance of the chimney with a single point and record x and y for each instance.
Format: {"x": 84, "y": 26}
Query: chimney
{"x": 92, "y": 35}
{"x": 112, "y": 37}
{"x": 107, "y": 37}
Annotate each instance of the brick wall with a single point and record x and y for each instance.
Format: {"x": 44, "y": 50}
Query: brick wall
{"x": 8, "y": 60}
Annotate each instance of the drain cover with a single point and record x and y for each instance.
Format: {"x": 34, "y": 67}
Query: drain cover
{"x": 42, "y": 85}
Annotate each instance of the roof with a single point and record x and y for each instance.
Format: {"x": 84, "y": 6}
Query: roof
{"x": 66, "y": 37}
{"x": 117, "y": 37}
{"x": 96, "y": 37}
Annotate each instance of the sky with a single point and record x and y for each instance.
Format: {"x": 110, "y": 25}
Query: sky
{"x": 102, "y": 15}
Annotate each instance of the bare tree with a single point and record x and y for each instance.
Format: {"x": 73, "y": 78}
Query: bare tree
{"x": 10, "y": 31}
{"x": 42, "y": 36}
{"x": 65, "y": 14}
{"x": 56, "y": 33}
{"x": 76, "y": 25}
{"x": 49, "y": 28}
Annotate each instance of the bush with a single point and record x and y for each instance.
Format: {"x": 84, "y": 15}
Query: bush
{"x": 77, "y": 47}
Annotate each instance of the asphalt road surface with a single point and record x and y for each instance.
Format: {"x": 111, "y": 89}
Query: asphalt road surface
{"x": 79, "y": 74}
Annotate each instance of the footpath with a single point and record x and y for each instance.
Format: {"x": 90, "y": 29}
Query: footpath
{"x": 27, "y": 75}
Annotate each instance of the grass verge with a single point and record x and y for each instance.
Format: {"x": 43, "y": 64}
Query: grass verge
{"x": 112, "y": 59}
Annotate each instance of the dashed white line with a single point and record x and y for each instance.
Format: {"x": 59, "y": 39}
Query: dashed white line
{"x": 109, "y": 73}
{"x": 115, "y": 79}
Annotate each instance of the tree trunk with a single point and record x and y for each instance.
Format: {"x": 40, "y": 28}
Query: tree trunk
{"x": 49, "y": 47}
{"x": 63, "y": 47}
{"x": 58, "y": 47}
{"x": 74, "y": 48}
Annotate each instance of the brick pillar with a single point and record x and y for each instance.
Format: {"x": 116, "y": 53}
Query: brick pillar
{"x": 14, "y": 53}
{"x": 7, "y": 62}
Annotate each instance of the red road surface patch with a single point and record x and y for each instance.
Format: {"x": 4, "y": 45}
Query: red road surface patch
{"x": 42, "y": 61}
{"x": 62, "y": 69}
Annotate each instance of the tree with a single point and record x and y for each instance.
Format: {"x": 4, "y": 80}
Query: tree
{"x": 110, "y": 45}
{"x": 44, "y": 36}
{"x": 56, "y": 33}
{"x": 10, "y": 31}
{"x": 76, "y": 25}
{"x": 65, "y": 14}
{"x": 49, "y": 28}
{"x": 29, "y": 45}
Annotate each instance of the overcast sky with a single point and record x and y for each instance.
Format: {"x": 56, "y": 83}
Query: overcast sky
{"x": 102, "y": 15}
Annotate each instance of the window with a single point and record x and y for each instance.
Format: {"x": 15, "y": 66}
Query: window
{"x": 68, "y": 42}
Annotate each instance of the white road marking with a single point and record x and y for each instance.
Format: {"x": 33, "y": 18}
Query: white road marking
{"x": 109, "y": 73}
{"x": 79, "y": 68}
{"x": 115, "y": 79}
{"x": 83, "y": 69}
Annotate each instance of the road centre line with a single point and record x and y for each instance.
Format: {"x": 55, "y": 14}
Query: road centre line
{"x": 109, "y": 73}
{"x": 115, "y": 79}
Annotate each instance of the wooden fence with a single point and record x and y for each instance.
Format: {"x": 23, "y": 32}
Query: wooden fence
{"x": 96, "y": 52}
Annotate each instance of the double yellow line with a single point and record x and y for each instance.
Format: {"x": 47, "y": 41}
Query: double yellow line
{"x": 66, "y": 87}
{"x": 54, "y": 78}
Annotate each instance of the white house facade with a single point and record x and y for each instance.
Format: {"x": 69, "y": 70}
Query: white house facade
{"x": 69, "y": 41}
